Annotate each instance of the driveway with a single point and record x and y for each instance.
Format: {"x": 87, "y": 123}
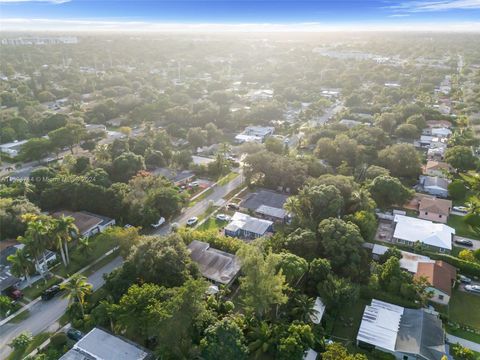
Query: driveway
{"x": 476, "y": 243}
{"x": 45, "y": 314}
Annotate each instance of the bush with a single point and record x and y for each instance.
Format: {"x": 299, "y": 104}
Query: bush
{"x": 58, "y": 340}
{"x": 465, "y": 267}
{"x": 21, "y": 341}
{"x": 367, "y": 292}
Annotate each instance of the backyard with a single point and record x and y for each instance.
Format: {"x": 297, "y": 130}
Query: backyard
{"x": 461, "y": 305}
{"x": 462, "y": 229}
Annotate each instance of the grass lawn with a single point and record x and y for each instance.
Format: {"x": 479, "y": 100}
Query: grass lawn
{"x": 464, "y": 334}
{"x": 200, "y": 198}
{"x": 20, "y": 317}
{"x": 34, "y": 291}
{"x": 461, "y": 309}
{"x": 227, "y": 178}
{"x": 36, "y": 342}
{"x": 348, "y": 321}
{"x": 212, "y": 224}
{"x": 462, "y": 229}
{"x": 78, "y": 260}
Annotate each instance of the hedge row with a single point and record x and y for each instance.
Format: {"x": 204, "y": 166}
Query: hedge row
{"x": 465, "y": 267}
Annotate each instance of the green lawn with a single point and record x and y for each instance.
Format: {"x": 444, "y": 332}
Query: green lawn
{"x": 348, "y": 321}
{"x": 212, "y": 224}
{"x": 462, "y": 229}
{"x": 227, "y": 178}
{"x": 200, "y": 198}
{"x": 34, "y": 291}
{"x": 464, "y": 334}
{"x": 461, "y": 309}
{"x": 20, "y": 317}
{"x": 36, "y": 342}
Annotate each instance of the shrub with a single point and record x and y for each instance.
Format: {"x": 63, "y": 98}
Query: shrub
{"x": 58, "y": 340}
{"x": 21, "y": 341}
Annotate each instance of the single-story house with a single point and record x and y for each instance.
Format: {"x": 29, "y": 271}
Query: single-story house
{"x": 441, "y": 277}
{"x": 408, "y": 334}
{"x": 201, "y": 160}
{"x": 88, "y": 224}
{"x": 216, "y": 265}
{"x": 99, "y": 344}
{"x": 439, "y": 124}
{"x": 351, "y": 123}
{"x": 12, "y": 149}
{"x": 434, "y": 185}
{"x": 247, "y": 227}
{"x": 436, "y": 168}
{"x": 7, "y": 280}
{"x": 434, "y": 209}
{"x": 436, "y": 153}
{"x": 409, "y": 261}
{"x": 409, "y": 230}
{"x": 177, "y": 177}
{"x": 255, "y": 133}
{"x": 441, "y": 132}
{"x": 266, "y": 204}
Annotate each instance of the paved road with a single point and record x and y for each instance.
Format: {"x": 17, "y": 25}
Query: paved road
{"x": 200, "y": 207}
{"x": 44, "y": 314}
{"x": 476, "y": 243}
{"x": 329, "y": 112}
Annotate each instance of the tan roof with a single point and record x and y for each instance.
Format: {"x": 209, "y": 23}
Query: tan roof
{"x": 83, "y": 221}
{"x": 435, "y": 205}
{"x": 437, "y": 165}
{"x": 439, "y": 123}
{"x": 439, "y": 274}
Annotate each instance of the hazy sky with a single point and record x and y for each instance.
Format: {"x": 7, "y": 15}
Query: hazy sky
{"x": 239, "y": 15}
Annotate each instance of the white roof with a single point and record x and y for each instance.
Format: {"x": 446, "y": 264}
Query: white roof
{"x": 427, "y": 232}
{"x": 318, "y": 311}
{"x": 271, "y": 211}
{"x": 247, "y": 138}
{"x": 248, "y": 223}
{"x": 409, "y": 261}
{"x": 380, "y": 324}
{"x": 310, "y": 355}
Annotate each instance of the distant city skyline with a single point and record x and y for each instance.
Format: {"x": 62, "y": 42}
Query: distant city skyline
{"x": 320, "y": 15}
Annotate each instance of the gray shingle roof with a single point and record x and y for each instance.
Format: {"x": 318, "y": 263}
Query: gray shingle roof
{"x": 264, "y": 197}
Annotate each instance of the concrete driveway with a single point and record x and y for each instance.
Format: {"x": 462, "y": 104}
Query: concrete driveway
{"x": 476, "y": 243}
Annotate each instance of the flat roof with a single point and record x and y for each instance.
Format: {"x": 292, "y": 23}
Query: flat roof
{"x": 101, "y": 345}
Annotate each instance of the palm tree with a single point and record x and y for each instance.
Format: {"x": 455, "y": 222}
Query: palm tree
{"x": 77, "y": 288}
{"x": 303, "y": 307}
{"x": 263, "y": 341}
{"x": 102, "y": 152}
{"x": 21, "y": 264}
{"x": 38, "y": 239}
{"x": 63, "y": 230}
{"x": 85, "y": 246}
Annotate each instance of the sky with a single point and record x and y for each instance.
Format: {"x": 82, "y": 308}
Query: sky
{"x": 246, "y": 15}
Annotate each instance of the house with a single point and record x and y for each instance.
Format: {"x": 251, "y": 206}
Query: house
{"x": 12, "y": 149}
{"x": 439, "y": 124}
{"x": 409, "y": 261}
{"x": 436, "y": 153}
{"x": 318, "y": 311}
{"x": 434, "y": 209}
{"x": 266, "y": 204}
{"x": 99, "y": 344}
{"x": 441, "y": 277}
{"x": 409, "y": 230}
{"x": 177, "y": 177}
{"x": 200, "y": 160}
{"x": 408, "y": 334}
{"x": 247, "y": 227}
{"x": 436, "y": 168}
{"x": 351, "y": 123}
{"x": 434, "y": 185}
{"x": 216, "y": 265}
{"x": 441, "y": 132}
{"x": 255, "y": 134}
{"x": 88, "y": 224}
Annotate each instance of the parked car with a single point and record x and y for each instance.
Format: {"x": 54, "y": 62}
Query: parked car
{"x": 464, "y": 242}
{"x": 74, "y": 334}
{"x": 465, "y": 280}
{"x": 194, "y": 184}
{"x": 223, "y": 217}
{"x": 461, "y": 209}
{"x": 50, "y": 292}
{"x": 473, "y": 288}
{"x": 160, "y": 222}
{"x": 192, "y": 221}
{"x": 233, "y": 206}
{"x": 14, "y": 293}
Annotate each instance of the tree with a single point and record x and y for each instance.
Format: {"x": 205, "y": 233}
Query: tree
{"x": 6, "y": 305}
{"x": 21, "y": 264}
{"x": 341, "y": 243}
{"x": 224, "y": 340}
{"x": 126, "y": 166}
{"x": 407, "y": 131}
{"x": 77, "y": 288}
{"x": 262, "y": 340}
{"x": 303, "y": 307}
{"x": 22, "y": 341}
{"x": 337, "y": 292}
{"x": 196, "y": 137}
{"x": 67, "y": 136}
{"x": 293, "y": 267}
{"x": 297, "y": 339}
{"x": 386, "y": 122}
{"x": 318, "y": 272}
{"x": 461, "y": 158}
{"x": 35, "y": 149}
{"x": 63, "y": 230}
{"x": 401, "y": 159}
{"x": 37, "y": 238}
{"x": 275, "y": 145}
{"x": 457, "y": 190}
{"x": 315, "y": 203}
{"x": 11, "y": 216}
{"x": 387, "y": 191}
{"x": 373, "y": 171}
{"x": 262, "y": 285}
{"x": 462, "y": 353}
{"x": 302, "y": 242}
{"x": 336, "y": 351}
{"x": 366, "y": 222}
{"x": 418, "y": 120}
{"x": 467, "y": 255}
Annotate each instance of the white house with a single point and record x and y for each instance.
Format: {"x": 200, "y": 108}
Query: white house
{"x": 12, "y": 148}
{"x": 409, "y": 230}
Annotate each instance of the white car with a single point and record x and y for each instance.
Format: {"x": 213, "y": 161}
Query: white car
{"x": 194, "y": 184}
{"x": 462, "y": 209}
{"x": 473, "y": 288}
{"x": 223, "y": 217}
{"x": 160, "y": 222}
{"x": 192, "y": 221}
{"x": 465, "y": 280}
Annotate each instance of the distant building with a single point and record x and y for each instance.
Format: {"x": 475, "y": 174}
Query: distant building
{"x": 177, "y": 177}
{"x": 437, "y": 168}
{"x": 352, "y": 123}
{"x": 200, "y": 160}
{"x": 247, "y": 227}
{"x": 434, "y": 185}
{"x": 12, "y": 148}
{"x": 434, "y": 209}
{"x": 50, "y": 40}
{"x": 408, "y": 334}
{"x": 266, "y": 204}
{"x": 216, "y": 265}
{"x": 88, "y": 224}
{"x": 409, "y": 230}
{"x": 255, "y": 134}
{"x": 99, "y": 344}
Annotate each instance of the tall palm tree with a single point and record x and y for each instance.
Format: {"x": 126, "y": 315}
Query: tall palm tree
{"x": 63, "y": 230}
{"x": 21, "y": 264}
{"x": 303, "y": 307}
{"x": 37, "y": 233}
{"x": 263, "y": 341}
{"x": 102, "y": 152}
{"x": 77, "y": 288}
{"x": 85, "y": 246}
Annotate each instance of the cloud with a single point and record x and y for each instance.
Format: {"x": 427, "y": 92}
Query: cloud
{"x": 438, "y": 5}
{"x": 45, "y": 1}
{"x": 399, "y": 15}
{"x": 88, "y": 25}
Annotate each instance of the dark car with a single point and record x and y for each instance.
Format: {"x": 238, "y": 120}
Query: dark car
{"x": 15, "y": 294}
{"x": 74, "y": 334}
{"x": 50, "y": 292}
{"x": 464, "y": 242}
{"x": 233, "y": 206}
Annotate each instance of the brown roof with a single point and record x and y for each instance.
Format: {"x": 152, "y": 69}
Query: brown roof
{"x": 435, "y": 205}
{"x": 439, "y": 123}
{"x": 434, "y": 165}
{"x": 83, "y": 221}
{"x": 439, "y": 274}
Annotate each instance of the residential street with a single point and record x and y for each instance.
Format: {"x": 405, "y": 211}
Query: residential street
{"x": 44, "y": 314}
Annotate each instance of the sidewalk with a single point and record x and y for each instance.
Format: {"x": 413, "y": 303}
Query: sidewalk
{"x": 34, "y": 301}
{"x": 465, "y": 343}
